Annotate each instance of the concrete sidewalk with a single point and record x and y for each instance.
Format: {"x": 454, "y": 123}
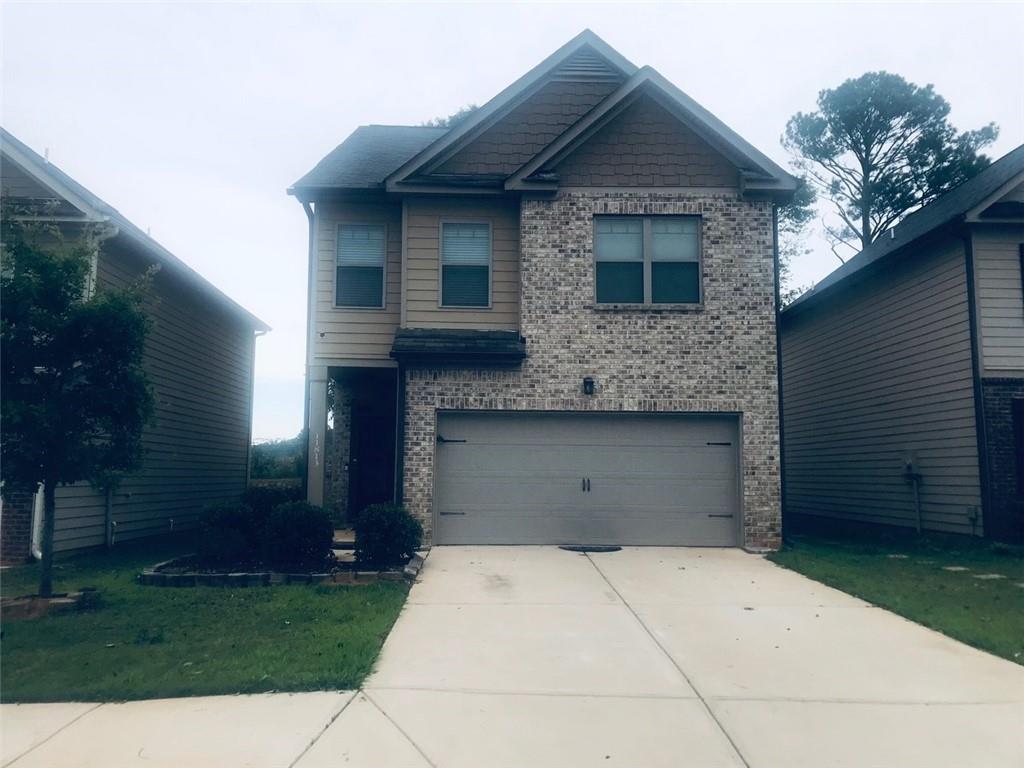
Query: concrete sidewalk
{"x": 533, "y": 656}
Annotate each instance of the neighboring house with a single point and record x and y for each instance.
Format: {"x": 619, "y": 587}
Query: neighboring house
{"x": 199, "y": 359}
{"x": 905, "y": 367}
{"x": 553, "y": 322}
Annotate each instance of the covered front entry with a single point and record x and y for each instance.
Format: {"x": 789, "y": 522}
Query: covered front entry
{"x": 360, "y": 460}
{"x": 587, "y": 478}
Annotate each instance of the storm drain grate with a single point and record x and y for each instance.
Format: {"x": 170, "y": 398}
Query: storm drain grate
{"x": 580, "y": 548}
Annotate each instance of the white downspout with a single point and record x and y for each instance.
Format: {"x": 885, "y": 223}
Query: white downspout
{"x": 37, "y": 523}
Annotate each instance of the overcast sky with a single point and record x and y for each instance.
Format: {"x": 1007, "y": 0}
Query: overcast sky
{"x": 193, "y": 119}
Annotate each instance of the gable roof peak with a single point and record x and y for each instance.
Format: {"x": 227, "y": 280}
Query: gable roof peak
{"x": 486, "y": 114}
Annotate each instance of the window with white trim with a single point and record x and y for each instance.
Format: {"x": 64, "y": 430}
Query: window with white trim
{"x": 359, "y": 281}
{"x": 465, "y": 264}
{"x": 647, "y": 259}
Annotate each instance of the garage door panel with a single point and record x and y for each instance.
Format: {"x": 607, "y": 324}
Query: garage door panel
{"x": 518, "y": 478}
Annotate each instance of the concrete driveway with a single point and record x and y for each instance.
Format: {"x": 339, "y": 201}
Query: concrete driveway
{"x": 533, "y": 656}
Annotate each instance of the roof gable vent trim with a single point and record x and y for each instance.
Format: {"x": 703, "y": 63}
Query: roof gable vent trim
{"x": 587, "y": 65}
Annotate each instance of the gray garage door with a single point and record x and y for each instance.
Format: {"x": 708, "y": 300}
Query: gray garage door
{"x": 586, "y": 478}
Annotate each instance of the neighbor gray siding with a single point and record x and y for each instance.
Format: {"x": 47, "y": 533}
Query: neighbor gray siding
{"x": 878, "y": 374}
{"x": 345, "y": 333}
{"x": 997, "y": 271}
{"x": 199, "y": 361}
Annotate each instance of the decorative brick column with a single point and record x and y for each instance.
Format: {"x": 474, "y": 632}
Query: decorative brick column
{"x": 716, "y": 359}
{"x": 1004, "y": 517}
{"x": 338, "y": 450}
{"x": 15, "y": 527}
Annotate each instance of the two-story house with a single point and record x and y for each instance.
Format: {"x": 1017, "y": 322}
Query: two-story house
{"x": 903, "y": 372}
{"x": 199, "y": 359}
{"x": 554, "y": 322}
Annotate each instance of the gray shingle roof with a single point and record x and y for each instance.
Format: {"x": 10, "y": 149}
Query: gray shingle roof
{"x": 945, "y": 210}
{"x": 367, "y": 156}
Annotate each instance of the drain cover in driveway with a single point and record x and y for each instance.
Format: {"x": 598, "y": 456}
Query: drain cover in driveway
{"x": 578, "y": 548}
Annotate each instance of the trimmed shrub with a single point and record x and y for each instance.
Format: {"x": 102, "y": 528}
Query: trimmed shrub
{"x": 230, "y": 534}
{"x": 386, "y": 535}
{"x": 298, "y": 536}
{"x": 263, "y": 498}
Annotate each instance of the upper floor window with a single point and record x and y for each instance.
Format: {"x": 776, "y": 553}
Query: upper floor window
{"x": 647, "y": 259}
{"x": 361, "y": 264}
{"x": 465, "y": 264}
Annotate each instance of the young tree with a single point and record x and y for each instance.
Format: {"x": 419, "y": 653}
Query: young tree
{"x": 450, "y": 121}
{"x": 75, "y": 397}
{"x": 879, "y": 147}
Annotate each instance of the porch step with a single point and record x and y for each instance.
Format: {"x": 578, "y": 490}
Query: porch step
{"x": 344, "y": 538}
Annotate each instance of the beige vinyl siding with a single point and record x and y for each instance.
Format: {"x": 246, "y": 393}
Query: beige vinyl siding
{"x": 424, "y": 218}
{"x": 362, "y": 334}
{"x": 199, "y": 362}
{"x": 878, "y": 374}
{"x": 1000, "y": 299}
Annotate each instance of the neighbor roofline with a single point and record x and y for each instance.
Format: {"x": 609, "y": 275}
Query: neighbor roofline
{"x": 481, "y": 119}
{"x": 951, "y": 222}
{"x": 99, "y": 211}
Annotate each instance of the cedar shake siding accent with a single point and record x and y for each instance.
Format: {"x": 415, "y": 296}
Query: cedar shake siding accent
{"x": 424, "y": 217}
{"x": 646, "y": 146}
{"x": 199, "y": 361}
{"x": 507, "y": 145}
{"x": 878, "y": 375}
{"x": 341, "y": 333}
{"x": 1000, "y": 301}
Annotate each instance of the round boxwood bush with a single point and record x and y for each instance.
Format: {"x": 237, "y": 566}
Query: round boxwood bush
{"x": 386, "y": 535}
{"x": 230, "y": 534}
{"x": 263, "y": 498}
{"x": 298, "y": 537}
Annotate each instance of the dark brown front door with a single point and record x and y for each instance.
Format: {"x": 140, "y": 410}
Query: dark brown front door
{"x": 372, "y": 462}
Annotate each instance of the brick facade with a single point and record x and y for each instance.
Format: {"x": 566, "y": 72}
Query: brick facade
{"x": 1004, "y": 516}
{"x": 15, "y": 527}
{"x": 719, "y": 358}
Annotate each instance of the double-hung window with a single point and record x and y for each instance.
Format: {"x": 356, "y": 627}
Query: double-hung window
{"x": 647, "y": 259}
{"x": 360, "y": 270}
{"x": 465, "y": 264}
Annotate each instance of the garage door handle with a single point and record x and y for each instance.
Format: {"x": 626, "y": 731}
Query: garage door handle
{"x": 442, "y": 439}
{"x": 710, "y": 515}
{"x": 719, "y": 443}
{"x": 583, "y": 484}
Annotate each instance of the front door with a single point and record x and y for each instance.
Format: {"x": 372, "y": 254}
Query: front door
{"x": 372, "y": 458}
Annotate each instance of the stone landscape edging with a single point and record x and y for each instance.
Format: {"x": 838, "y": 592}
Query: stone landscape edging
{"x": 155, "y": 577}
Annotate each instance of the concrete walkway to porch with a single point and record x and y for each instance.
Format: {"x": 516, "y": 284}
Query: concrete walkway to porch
{"x": 515, "y": 656}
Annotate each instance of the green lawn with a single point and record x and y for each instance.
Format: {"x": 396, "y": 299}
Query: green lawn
{"x": 907, "y": 576}
{"x": 149, "y": 642}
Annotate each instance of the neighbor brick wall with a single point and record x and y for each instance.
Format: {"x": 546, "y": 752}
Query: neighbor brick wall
{"x": 338, "y": 451}
{"x": 1004, "y": 516}
{"x": 15, "y": 527}
{"x": 717, "y": 359}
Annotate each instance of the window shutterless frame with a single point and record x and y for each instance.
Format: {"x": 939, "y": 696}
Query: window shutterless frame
{"x": 490, "y": 264}
{"x": 337, "y": 263}
{"x": 648, "y": 262}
